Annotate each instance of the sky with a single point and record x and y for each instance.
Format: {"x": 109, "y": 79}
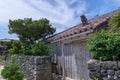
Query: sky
{"x": 62, "y": 14}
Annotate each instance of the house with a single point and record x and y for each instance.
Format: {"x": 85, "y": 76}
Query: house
{"x": 3, "y": 47}
{"x": 5, "y": 40}
{"x": 69, "y": 46}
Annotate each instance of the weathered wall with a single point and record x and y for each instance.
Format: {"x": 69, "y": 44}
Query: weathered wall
{"x": 76, "y": 57}
{"x": 104, "y": 70}
{"x": 35, "y": 67}
{"x": 56, "y": 54}
{"x": 72, "y": 59}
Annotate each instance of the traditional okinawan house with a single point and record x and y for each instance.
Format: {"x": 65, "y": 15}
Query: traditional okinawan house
{"x": 69, "y": 46}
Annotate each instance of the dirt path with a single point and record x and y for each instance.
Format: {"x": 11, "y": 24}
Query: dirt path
{"x": 1, "y": 67}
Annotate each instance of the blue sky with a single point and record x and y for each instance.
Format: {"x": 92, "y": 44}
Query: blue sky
{"x": 62, "y": 14}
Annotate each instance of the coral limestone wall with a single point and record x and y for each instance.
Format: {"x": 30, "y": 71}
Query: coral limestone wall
{"x": 35, "y": 67}
{"x": 104, "y": 70}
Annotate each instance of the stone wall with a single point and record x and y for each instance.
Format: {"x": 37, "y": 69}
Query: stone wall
{"x": 35, "y": 67}
{"x": 104, "y": 70}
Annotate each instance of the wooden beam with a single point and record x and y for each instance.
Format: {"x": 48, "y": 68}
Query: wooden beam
{"x": 73, "y": 36}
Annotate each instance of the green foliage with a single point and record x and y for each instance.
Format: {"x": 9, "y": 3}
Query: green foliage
{"x": 95, "y": 78}
{"x": 57, "y": 77}
{"x": 105, "y": 46}
{"x": 30, "y": 30}
{"x": 11, "y": 73}
{"x": 41, "y": 49}
{"x": 8, "y": 44}
{"x": 16, "y": 47}
{"x": 27, "y": 49}
{"x": 37, "y": 49}
{"x": 13, "y": 58}
{"x": 114, "y": 23}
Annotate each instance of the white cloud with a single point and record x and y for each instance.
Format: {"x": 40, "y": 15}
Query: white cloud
{"x": 14, "y": 9}
{"x": 62, "y": 13}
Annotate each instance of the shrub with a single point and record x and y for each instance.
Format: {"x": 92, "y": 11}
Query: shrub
{"x": 114, "y": 23}
{"x": 38, "y": 49}
{"x": 16, "y": 47}
{"x": 27, "y": 49}
{"x": 105, "y": 46}
{"x": 11, "y": 73}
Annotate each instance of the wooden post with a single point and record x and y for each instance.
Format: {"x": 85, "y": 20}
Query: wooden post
{"x": 63, "y": 60}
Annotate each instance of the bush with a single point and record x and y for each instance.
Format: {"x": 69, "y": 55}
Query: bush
{"x": 105, "y": 46}
{"x": 16, "y": 47}
{"x": 11, "y": 73}
{"x": 27, "y": 49}
{"x": 37, "y": 49}
{"x": 114, "y": 23}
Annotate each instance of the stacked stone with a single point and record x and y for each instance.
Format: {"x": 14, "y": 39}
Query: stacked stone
{"x": 104, "y": 70}
{"x": 35, "y": 67}
{"x": 43, "y": 70}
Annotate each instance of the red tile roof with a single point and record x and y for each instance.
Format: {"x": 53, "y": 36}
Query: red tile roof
{"x": 93, "y": 23}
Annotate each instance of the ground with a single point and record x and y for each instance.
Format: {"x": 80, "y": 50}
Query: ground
{"x": 1, "y": 67}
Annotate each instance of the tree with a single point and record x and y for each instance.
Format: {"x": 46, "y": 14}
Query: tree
{"x": 114, "y": 23}
{"x": 31, "y": 30}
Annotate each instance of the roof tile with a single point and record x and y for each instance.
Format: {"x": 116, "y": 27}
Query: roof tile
{"x": 93, "y": 23}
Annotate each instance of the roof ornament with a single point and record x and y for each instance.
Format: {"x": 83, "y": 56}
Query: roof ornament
{"x": 97, "y": 15}
{"x": 84, "y": 20}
